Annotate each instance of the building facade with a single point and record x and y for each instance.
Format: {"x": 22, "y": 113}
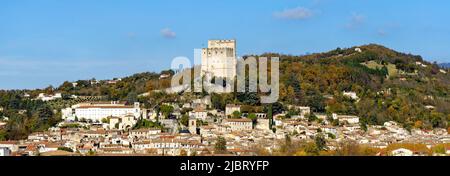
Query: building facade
{"x": 219, "y": 59}
{"x": 99, "y": 111}
{"x": 239, "y": 124}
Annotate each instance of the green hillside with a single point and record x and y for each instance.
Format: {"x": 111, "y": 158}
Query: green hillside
{"x": 390, "y": 86}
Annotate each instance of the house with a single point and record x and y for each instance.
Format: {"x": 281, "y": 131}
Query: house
{"x": 47, "y": 147}
{"x": 303, "y": 110}
{"x": 26, "y": 95}
{"x": 421, "y": 64}
{"x": 207, "y": 131}
{"x": 261, "y": 115}
{"x": 239, "y": 124}
{"x": 2, "y": 124}
{"x": 351, "y": 95}
{"x": 30, "y": 150}
{"x": 97, "y": 111}
{"x": 114, "y": 151}
{"x": 4, "y": 151}
{"x": 144, "y": 133}
{"x": 38, "y": 136}
{"x": 401, "y": 152}
{"x": 263, "y": 124}
{"x": 202, "y": 103}
{"x": 329, "y": 130}
{"x": 430, "y": 107}
{"x": 230, "y": 108}
{"x": 164, "y": 76}
{"x": 59, "y": 153}
{"x": 11, "y": 145}
{"x": 199, "y": 113}
{"x": 346, "y": 118}
{"x": 44, "y": 97}
{"x": 113, "y": 81}
{"x": 122, "y": 123}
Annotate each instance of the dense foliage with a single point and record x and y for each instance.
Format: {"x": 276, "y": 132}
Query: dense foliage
{"x": 390, "y": 86}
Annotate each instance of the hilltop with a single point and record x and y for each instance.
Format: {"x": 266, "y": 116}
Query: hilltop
{"x": 389, "y": 86}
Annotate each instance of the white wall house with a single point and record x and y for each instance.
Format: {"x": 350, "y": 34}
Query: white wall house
{"x": 144, "y": 133}
{"x": 199, "y": 113}
{"x": 122, "y": 123}
{"x": 13, "y": 146}
{"x": 44, "y": 97}
{"x": 263, "y": 124}
{"x": 346, "y": 118}
{"x": 229, "y": 109}
{"x": 4, "y": 151}
{"x": 239, "y": 124}
{"x": 402, "y": 152}
{"x": 351, "y": 95}
{"x": 99, "y": 111}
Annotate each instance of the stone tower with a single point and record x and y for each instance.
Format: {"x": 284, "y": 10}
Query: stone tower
{"x": 219, "y": 59}
{"x": 192, "y": 126}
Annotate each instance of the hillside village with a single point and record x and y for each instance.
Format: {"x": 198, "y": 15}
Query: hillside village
{"x": 151, "y": 122}
{"x": 244, "y": 134}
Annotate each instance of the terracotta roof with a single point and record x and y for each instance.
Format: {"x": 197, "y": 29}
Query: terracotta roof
{"x": 59, "y": 153}
{"x": 145, "y": 129}
{"x": 9, "y": 142}
{"x": 239, "y": 120}
{"x": 105, "y": 107}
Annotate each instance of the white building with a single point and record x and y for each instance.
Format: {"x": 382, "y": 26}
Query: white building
{"x": 4, "y": 151}
{"x": 351, "y": 95}
{"x": 144, "y": 133}
{"x": 99, "y": 111}
{"x": 122, "y": 122}
{"x": 303, "y": 110}
{"x": 13, "y": 146}
{"x": 263, "y": 124}
{"x": 402, "y": 152}
{"x": 346, "y": 118}
{"x": 239, "y": 124}
{"x": 199, "y": 113}
{"x": 44, "y": 97}
{"x": 219, "y": 59}
{"x": 229, "y": 109}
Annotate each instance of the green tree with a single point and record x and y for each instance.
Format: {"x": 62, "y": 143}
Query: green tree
{"x": 166, "y": 110}
{"x": 3, "y": 135}
{"x": 221, "y": 145}
{"x": 312, "y": 117}
{"x": 311, "y": 149}
{"x": 184, "y": 120}
{"x": 320, "y": 142}
{"x": 252, "y": 117}
{"x": 236, "y": 115}
{"x": 67, "y": 149}
{"x": 105, "y": 120}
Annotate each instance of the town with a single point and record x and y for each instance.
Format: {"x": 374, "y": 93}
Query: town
{"x": 192, "y": 127}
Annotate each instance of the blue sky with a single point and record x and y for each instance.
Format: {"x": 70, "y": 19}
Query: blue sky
{"x": 49, "y": 41}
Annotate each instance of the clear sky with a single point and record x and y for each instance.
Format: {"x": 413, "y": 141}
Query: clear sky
{"x": 45, "y": 42}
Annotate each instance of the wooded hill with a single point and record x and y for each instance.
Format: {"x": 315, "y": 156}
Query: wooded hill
{"x": 390, "y": 86}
